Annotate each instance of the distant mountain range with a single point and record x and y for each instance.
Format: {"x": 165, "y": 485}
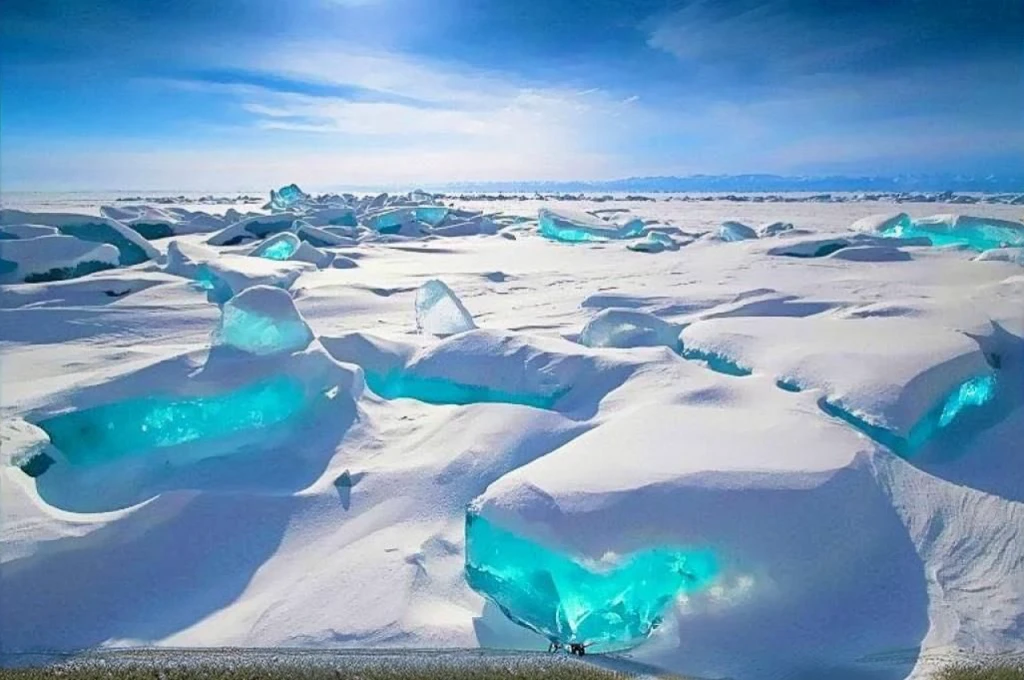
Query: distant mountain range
{"x": 755, "y": 183}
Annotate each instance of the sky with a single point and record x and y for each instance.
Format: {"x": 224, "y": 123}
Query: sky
{"x": 247, "y": 94}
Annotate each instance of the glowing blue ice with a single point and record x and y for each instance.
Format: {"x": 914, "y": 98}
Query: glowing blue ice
{"x": 262, "y": 320}
{"x": 439, "y": 311}
{"x": 572, "y": 228}
{"x": 431, "y": 214}
{"x": 106, "y": 433}
{"x": 279, "y": 247}
{"x": 976, "y": 233}
{"x": 565, "y": 601}
{"x": 962, "y": 404}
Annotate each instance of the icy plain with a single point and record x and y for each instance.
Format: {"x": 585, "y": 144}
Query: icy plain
{"x": 794, "y": 454}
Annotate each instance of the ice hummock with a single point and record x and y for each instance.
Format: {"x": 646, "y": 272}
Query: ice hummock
{"x": 736, "y": 231}
{"x": 569, "y": 603}
{"x": 262, "y": 320}
{"x": 439, "y": 311}
{"x": 52, "y": 258}
{"x": 132, "y": 248}
{"x": 977, "y": 233}
{"x": 576, "y": 227}
{"x": 223, "y": 276}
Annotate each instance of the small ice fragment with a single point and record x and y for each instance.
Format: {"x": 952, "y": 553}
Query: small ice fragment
{"x": 278, "y": 247}
{"x": 262, "y": 320}
{"x": 735, "y": 231}
{"x": 774, "y": 228}
{"x": 439, "y": 312}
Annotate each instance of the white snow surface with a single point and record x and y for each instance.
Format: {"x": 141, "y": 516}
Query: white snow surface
{"x": 839, "y": 558}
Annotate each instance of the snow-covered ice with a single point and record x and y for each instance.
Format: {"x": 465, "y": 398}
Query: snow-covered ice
{"x": 795, "y": 454}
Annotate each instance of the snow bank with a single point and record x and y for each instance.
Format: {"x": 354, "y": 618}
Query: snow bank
{"x": 227, "y": 275}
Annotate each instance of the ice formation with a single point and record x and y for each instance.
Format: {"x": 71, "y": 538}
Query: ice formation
{"x": 431, "y": 390}
{"x": 654, "y": 242}
{"x": 977, "y": 233}
{"x": 439, "y": 311}
{"x": 715, "y": 361}
{"x": 962, "y": 403}
{"x": 307, "y": 253}
{"x": 223, "y": 276}
{"x": 1002, "y": 255}
{"x": 262, "y": 320}
{"x": 629, "y": 328}
{"x": 52, "y": 258}
{"x": 735, "y": 231}
{"x": 774, "y": 229}
{"x": 132, "y": 248}
{"x": 278, "y": 247}
{"x": 287, "y": 197}
{"x": 567, "y": 602}
{"x": 107, "y": 433}
{"x": 574, "y": 227}
{"x": 252, "y": 228}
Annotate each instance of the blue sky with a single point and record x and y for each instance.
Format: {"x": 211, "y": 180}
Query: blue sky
{"x": 243, "y": 94}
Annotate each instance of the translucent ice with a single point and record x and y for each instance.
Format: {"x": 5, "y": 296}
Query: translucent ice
{"x": 568, "y": 602}
{"x": 564, "y": 225}
{"x": 262, "y": 320}
{"x": 629, "y": 328}
{"x": 976, "y": 233}
{"x": 439, "y": 311}
{"x": 278, "y": 247}
{"x": 944, "y": 417}
{"x": 735, "y": 231}
{"x": 106, "y": 433}
{"x": 431, "y": 214}
{"x": 287, "y": 197}
{"x": 716, "y": 362}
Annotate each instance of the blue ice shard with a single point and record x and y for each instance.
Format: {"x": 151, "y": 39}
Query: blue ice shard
{"x": 567, "y": 602}
{"x": 133, "y": 427}
{"x": 439, "y": 311}
{"x": 287, "y": 197}
{"x": 262, "y": 320}
{"x": 432, "y": 390}
{"x": 431, "y": 214}
{"x": 718, "y": 363}
{"x": 278, "y": 247}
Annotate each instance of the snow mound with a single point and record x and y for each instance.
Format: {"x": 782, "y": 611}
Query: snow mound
{"x": 132, "y": 248}
{"x": 774, "y": 229}
{"x": 881, "y": 222}
{"x": 262, "y": 320}
{"x": 573, "y": 226}
{"x": 53, "y": 258}
{"x": 654, "y": 242}
{"x": 152, "y": 222}
{"x": 12, "y": 231}
{"x": 439, "y": 311}
{"x": 614, "y": 327}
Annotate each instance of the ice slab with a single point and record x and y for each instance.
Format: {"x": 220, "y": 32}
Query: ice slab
{"x": 735, "y": 231}
{"x": 307, "y": 253}
{"x": 262, "y": 320}
{"x": 1015, "y": 255}
{"x": 278, "y": 247}
{"x": 976, "y": 233}
{"x": 53, "y": 258}
{"x": 629, "y": 328}
{"x": 774, "y": 228}
{"x": 716, "y": 361}
{"x": 439, "y": 311}
{"x": 226, "y": 275}
{"x": 574, "y": 227}
{"x": 320, "y": 238}
{"x": 610, "y": 607}
{"x": 335, "y": 216}
{"x": 13, "y": 231}
{"x": 132, "y": 248}
{"x": 106, "y": 433}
